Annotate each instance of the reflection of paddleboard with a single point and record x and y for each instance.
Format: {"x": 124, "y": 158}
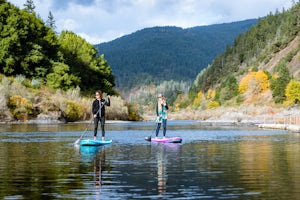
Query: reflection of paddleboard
{"x": 91, "y": 142}
{"x": 89, "y": 153}
{"x": 164, "y": 140}
{"x": 89, "y": 150}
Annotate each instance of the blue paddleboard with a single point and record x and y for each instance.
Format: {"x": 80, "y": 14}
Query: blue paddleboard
{"x": 91, "y": 142}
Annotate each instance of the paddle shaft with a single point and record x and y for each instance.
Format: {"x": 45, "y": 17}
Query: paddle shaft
{"x": 100, "y": 106}
{"x": 87, "y": 128}
{"x": 77, "y": 141}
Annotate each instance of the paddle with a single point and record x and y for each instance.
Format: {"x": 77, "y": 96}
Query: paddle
{"x": 157, "y": 120}
{"x": 78, "y": 140}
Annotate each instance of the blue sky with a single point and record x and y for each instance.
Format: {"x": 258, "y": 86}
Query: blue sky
{"x": 104, "y": 20}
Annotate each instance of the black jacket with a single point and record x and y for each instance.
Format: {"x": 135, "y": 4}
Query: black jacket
{"x": 99, "y": 108}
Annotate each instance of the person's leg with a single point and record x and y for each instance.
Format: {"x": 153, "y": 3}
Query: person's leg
{"x": 102, "y": 127}
{"x": 164, "y": 121}
{"x": 96, "y": 120}
{"x": 157, "y": 128}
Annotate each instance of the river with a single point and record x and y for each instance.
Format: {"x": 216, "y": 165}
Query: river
{"x": 40, "y": 161}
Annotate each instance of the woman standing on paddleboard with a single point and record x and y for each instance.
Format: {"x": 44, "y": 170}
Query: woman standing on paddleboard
{"x": 162, "y": 114}
{"x": 98, "y": 109}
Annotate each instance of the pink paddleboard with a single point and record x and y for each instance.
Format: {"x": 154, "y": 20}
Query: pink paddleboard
{"x": 164, "y": 140}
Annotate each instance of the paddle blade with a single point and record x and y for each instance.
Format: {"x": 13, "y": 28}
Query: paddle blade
{"x": 77, "y": 141}
{"x": 148, "y": 138}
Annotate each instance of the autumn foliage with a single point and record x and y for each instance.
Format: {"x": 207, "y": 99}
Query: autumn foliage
{"x": 254, "y": 82}
{"x": 198, "y": 99}
{"x": 20, "y": 107}
{"x": 292, "y": 92}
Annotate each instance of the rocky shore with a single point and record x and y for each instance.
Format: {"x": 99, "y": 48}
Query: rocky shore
{"x": 289, "y": 127}
{"x": 268, "y": 117}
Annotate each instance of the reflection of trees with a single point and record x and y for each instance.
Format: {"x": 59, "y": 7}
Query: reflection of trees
{"x": 253, "y": 156}
{"x": 33, "y": 169}
{"x": 272, "y": 164}
{"x": 293, "y": 158}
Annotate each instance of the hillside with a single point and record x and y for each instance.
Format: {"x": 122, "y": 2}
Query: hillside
{"x": 167, "y": 53}
{"x": 293, "y": 65}
{"x": 43, "y": 75}
{"x": 261, "y": 67}
{"x": 31, "y": 48}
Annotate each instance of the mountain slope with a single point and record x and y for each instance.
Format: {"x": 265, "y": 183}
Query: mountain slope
{"x": 261, "y": 61}
{"x": 167, "y": 53}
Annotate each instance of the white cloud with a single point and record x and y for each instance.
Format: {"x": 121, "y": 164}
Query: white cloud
{"x": 91, "y": 38}
{"x": 67, "y": 24}
{"x": 104, "y": 20}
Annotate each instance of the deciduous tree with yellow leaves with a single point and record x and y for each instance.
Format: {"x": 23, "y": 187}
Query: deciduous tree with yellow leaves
{"x": 254, "y": 82}
{"x": 292, "y": 92}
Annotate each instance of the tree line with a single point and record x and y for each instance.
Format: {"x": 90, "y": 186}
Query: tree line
{"x": 31, "y": 47}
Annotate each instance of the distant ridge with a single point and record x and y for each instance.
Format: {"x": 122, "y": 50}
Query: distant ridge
{"x": 154, "y": 54}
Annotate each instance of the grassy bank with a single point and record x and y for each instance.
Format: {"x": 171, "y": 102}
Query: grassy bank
{"x": 22, "y": 99}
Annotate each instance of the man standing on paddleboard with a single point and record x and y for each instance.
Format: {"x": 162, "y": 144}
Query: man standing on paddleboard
{"x": 98, "y": 110}
{"x": 162, "y": 114}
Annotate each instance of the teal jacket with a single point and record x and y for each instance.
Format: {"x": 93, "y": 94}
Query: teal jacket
{"x": 162, "y": 112}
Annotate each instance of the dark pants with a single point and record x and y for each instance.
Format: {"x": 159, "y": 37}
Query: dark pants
{"x": 96, "y": 121}
{"x": 164, "y": 122}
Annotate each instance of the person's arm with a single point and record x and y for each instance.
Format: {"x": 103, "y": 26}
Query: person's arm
{"x": 107, "y": 103}
{"x": 93, "y": 107}
{"x": 166, "y": 106}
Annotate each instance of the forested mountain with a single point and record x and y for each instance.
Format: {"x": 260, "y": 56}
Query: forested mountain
{"x": 153, "y": 55}
{"x": 31, "y": 48}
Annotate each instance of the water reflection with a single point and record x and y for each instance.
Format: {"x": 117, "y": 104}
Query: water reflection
{"x": 164, "y": 152}
{"x": 110, "y": 125}
{"x": 162, "y": 174}
{"x": 96, "y": 155}
{"x": 99, "y": 167}
{"x": 209, "y": 164}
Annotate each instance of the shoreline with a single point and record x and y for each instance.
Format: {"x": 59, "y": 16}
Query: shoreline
{"x": 264, "y": 117}
{"x": 289, "y": 127}
{"x": 210, "y": 123}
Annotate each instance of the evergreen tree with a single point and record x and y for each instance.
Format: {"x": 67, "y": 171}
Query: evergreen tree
{"x": 94, "y": 71}
{"x": 280, "y": 81}
{"x": 50, "y": 21}
{"x": 60, "y": 77}
{"x": 26, "y": 44}
{"x": 29, "y": 6}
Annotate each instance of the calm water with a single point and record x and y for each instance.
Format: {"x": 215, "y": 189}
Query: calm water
{"x": 42, "y": 162}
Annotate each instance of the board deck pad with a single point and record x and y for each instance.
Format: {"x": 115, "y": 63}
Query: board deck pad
{"x": 91, "y": 142}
